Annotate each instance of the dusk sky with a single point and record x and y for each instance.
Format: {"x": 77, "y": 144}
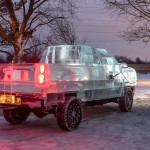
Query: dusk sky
{"x": 99, "y": 28}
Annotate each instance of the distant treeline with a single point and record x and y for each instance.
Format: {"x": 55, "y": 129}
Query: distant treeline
{"x": 128, "y": 60}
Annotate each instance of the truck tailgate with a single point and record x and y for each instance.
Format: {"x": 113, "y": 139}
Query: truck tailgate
{"x": 17, "y": 78}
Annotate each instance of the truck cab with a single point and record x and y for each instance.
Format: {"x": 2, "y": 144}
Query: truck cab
{"x": 98, "y": 70}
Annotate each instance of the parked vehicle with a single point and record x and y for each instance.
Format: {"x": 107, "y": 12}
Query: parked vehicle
{"x": 67, "y": 77}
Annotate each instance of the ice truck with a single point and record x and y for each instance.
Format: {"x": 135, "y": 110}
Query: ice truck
{"x": 67, "y": 78}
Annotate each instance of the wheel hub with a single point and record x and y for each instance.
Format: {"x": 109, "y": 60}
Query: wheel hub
{"x": 73, "y": 113}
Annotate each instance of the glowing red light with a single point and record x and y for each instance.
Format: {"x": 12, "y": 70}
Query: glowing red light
{"x": 42, "y": 75}
{"x": 42, "y": 68}
{"x": 8, "y": 76}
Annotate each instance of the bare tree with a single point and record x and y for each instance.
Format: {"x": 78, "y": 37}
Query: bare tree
{"x": 34, "y": 53}
{"x": 6, "y": 53}
{"x": 21, "y": 19}
{"x": 61, "y": 32}
{"x": 139, "y": 12}
{"x": 58, "y": 32}
{"x": 125, "y": 59}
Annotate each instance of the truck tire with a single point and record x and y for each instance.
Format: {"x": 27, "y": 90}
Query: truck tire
{"x": 69, "y": 113}
{"x": 17, "y": 115}
{"x": 125, "y": 103}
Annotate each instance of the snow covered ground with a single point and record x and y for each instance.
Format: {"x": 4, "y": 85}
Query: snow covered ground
{"x": 143, "y": 76}
{"x": 102, "y": 128}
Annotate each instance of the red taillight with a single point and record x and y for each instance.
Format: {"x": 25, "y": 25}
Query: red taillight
{"x": 41, "y": 78}
{"x": 42, "y": 68}
{"x": 42, "y": 75}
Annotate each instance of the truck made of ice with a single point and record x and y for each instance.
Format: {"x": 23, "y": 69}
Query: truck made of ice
{"x": 67, "y": 78}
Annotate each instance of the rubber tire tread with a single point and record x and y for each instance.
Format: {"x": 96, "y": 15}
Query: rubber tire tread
{"x": 61, "y": 113}
{"x": 122, "y": 103}
{"x": 9, "y": 115}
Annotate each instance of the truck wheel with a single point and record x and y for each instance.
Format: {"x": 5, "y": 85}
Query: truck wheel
{"x": 69, "y": 114}
{"x": 125, "y": 103}
{"x": 17, "y": 115}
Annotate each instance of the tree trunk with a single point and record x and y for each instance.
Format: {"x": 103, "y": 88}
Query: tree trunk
{"x": 17, "y": 54}
{"x": 18, "y": 50}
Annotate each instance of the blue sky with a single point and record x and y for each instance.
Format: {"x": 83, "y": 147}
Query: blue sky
{"x": 99, "y": 28}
